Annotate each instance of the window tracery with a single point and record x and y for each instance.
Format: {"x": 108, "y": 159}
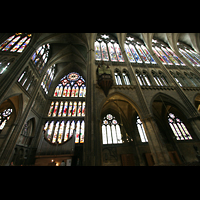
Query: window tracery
{"x": 137, "y": 52}
{"x": 68, "y": 115}
{"x": 189, "y": 54}
{"x": 40, "y": 57}
{"x": 160, "y": 79}
{"x": 126, "y": 78}
{"x": 143, "y": 78}
{"x": 107, "y": 49}
{"x": 178, "y": 127}
{"x": 165, "y": 54}
{"x": 111, "y": 133}
{"x": 72, "y": 85}
{"x": 16, "y": 42}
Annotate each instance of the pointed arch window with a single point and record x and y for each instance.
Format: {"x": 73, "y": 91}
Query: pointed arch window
{"x": 196, "y": 79}
{"x": 107, "y": 49}
{"x": 160, "y": 79}
{"x": 72, "y": 85}
{"x": 118, "y": 78}
{"x": 176, "y": 78}
{"x": 143, "y": 78}
{"x": 4, "y": 117}
{"x": 111, "y": 133}
{"x": 189, "y": 54}
{"x": 40, "y": 57}
{"x": 126, "y": 78}
{"x": 165, "y": 54}
{"x": 141, "y": 130}
{"x": 178, "y": 128}
{"x": 136, "y": 51}
{"x": 192, "y": 81}
{"x": 16, "y": 42}
{"x": 48, "y": 77}
{"x": 67, "y": 115}
{"x": 163, "y": 79}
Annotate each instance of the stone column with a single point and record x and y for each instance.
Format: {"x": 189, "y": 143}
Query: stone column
{"x": 88, "y": 147}
{"x": 156, "y": 144}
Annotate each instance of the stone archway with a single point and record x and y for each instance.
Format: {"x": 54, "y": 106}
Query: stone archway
{"x": 127, "y": 153}
{"x": 162, "y": 106}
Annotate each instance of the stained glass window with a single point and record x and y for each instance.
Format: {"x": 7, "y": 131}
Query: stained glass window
{"x": 4, "y": 117}
{"x": 97, "y": 51}
{"x": 165, "y": 54}
{"x": 111, "y": 133}
{"x": 72, "y": 85}
{"x": 16, "y": 43}
{"x": 136, "y": 51}
{"x": 119, "y": 53}
{"x": 113, "y": 56}
{"x": 141, "y": 130}
{"x": 68, "y": 115}
{"x": 189, "y": 54}
{"x": 129, "y": 54}
{"x": 178, "y": 128}
{"x": 40, "y": 57}
{"x": 107, "y": 48}
{"x": 62, "y": 131}
{"x": 104, "y": 51}
{"x": 48, "y": 77}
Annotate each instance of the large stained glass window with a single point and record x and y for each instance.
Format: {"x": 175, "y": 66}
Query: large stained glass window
{"x": 189, "y": 54}
{"x": 136, "y": 51}
{"x": 72, "y": 85}
{"x": 165, "y": 54}
{"x": 107, "y": 49}
{"x": 67, "y": 116}
{"x": 178, "y": 128}
{"x": 111, "y": 133}
{"x": 40, "y": 57}
{"x": 4, "y": 117}
{"x": 16, "y": 42}
{"x": 61, "y": 109}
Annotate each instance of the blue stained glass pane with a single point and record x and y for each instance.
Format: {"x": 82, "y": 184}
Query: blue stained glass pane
{"x": 113, "y": 56}
{"x": 119, "y": 53}
{"x": 185, "y": 55}
{"x": 128, "y": 53}
{"x": 170, "y": 56}
{"x": 142, "y": 54}
{"x": 97, "y": 51}
{"x": 163, "y": 55}
{"x": 192, "y": 55}
{"x": 196, "y": 55}
{"x": 175, "y": 56}
{"x": 148, "y": 54}
{"x": 158, "y": 55}
{"x": 33, "y": 57}
{"x": 135, "y": 54}
{"x": 104, "y": 51}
